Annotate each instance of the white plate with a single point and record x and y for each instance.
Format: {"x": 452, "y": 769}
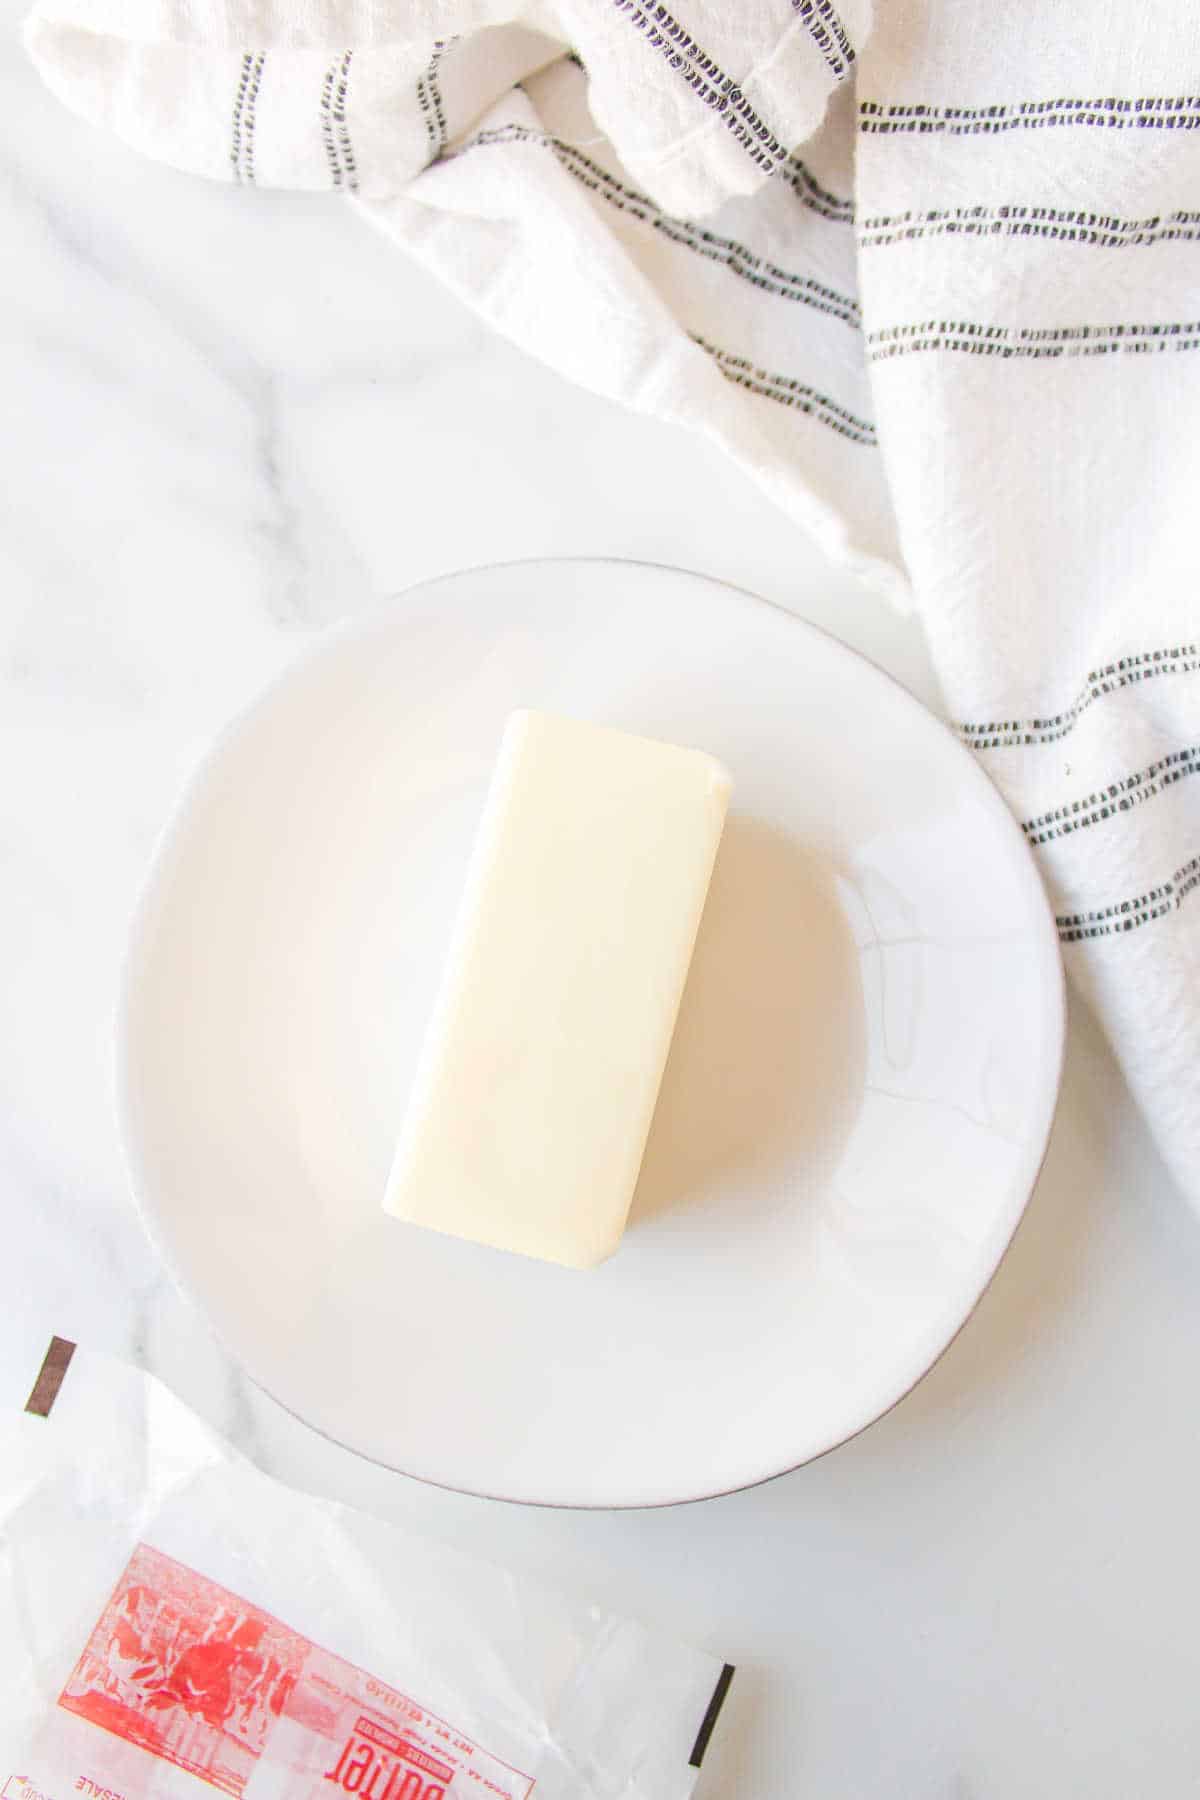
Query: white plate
{"x": 856, "y": 1106}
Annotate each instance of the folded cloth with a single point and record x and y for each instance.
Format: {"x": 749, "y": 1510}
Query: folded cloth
{"x": 929, "y": 271}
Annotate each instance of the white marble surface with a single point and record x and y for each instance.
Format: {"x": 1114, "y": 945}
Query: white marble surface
{"x": 231, "y": 418}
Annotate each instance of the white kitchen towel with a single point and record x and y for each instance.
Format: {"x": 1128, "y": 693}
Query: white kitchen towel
{"x": 928, "y": 269}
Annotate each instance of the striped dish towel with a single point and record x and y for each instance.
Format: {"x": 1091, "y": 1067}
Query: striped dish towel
{"x": 930, "y": 271}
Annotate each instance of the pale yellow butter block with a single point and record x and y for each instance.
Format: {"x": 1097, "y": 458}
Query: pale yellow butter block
{"x": 537, "y": 1083}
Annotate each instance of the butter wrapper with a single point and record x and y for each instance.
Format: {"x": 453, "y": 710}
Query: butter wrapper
{"x": 175, "y": 1623}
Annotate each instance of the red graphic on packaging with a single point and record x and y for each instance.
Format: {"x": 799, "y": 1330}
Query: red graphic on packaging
{"x": 188, "y": 1671}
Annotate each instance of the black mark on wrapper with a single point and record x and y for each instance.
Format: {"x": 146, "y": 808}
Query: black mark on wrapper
{"x": 55, "y": 1364}
{"x": 709, "y": 1721}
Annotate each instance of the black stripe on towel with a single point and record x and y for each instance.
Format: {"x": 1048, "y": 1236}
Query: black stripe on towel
{"x": 1130, "y": 915}
{"x": 1063, "y": 225}
{"x": 971, "y": 337}
{"x": 250, "y": 118}
{"x": 339, "y": 119}
{"x": 1126, "y": 671}
{"x": 707, "y": 81}
{"x": 1118, "y": 797}
{"x": 429, "y": 99}
{"x": 239, "y": 106}
{"x": 788, "y": 392}
{"x": 1149, "y": 113}
{"x": 334, "y": 131}
{"x": 828, "y": 34}
{"x": 739, "y": 259}
{"x": 810, "y": 193}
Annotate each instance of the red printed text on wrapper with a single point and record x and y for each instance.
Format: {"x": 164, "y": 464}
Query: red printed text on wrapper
{"x": 199, "y": 1678}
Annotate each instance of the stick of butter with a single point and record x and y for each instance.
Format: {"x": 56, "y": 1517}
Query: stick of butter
{"x": 541, "y": 1067}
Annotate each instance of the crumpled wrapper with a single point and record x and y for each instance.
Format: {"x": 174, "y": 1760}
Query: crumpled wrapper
{"x": 176, "y": 1622}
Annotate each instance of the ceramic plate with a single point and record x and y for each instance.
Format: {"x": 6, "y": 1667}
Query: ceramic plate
{"x": 855, "y": 1109}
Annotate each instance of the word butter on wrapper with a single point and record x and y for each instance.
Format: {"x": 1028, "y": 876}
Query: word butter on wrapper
{"x": 177, "y": 1623}
{"x": 532, "y": 1103}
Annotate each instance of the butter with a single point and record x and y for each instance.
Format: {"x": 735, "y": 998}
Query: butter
{"x": 541, "y": 1067}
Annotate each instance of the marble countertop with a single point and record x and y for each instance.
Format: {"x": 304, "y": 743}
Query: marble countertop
{"x": 231, "y": 418}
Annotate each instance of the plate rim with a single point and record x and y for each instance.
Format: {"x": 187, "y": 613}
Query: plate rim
{"x": 362, "y": 624}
